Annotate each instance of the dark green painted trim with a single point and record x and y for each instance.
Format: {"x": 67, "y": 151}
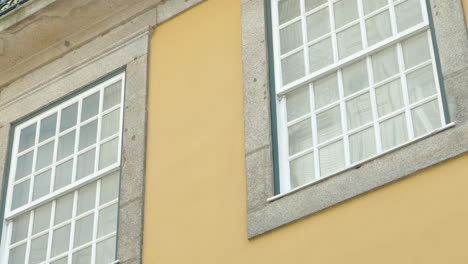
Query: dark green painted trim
{"x": 6, "y": 172}
{"x": 438, "y": 65}
{"x": 271, "y": 85}
{"x": 32, "y": 115}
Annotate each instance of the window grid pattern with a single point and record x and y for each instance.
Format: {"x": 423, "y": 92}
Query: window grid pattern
{"x": 55, "y": 154}
{"x": 79, "y": 226}
{"x": 381, "y": 94}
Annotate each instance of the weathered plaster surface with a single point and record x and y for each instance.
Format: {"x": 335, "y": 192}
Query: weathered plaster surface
{"x": 68, "y": 45}
{"x": 263, "y": 216}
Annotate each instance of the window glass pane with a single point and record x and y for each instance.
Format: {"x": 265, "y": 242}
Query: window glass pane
{"x": 302, "y": 170}
{"x": 38, "y": 249}
{"x": 378, "y": 28}
{"x": 82, "y": 257}
{"x": 83, "y": 230}
{"x": 349, "y": 41}
{"x": 60, "y": 240}
{"x": 63, "y": 209}
{"x": 385, "y": 64}
{"x": 63, "y": 174}
{"x": 426, "y": 118}
{"x": 20, "y": 194}
{"x": 318, "y": 24}
{"x": 85, "y": 164}
{"x": 24, "y": 165}
{"x": 88, "y": 134}
{"x": 48, "y": 126}
{"x": 27, "y": 137}
{"x": 298, "y": 102}
{"x": 311, "y": 4}
{"x": 326, "y": 91}
{"x": 20, "y": 228}
{"x": 109, "y": 188}
{"x": 61, "y": 261}
{"x": 416, "y": 50}
{"x": 345, "y": 12}
{"x": 109, "y": 153}
{"x": 408, "y": 14}
{"x": 66, "y": 145}
{"x": 393, "y": 132}
{"x": 320, "y": 55}
{"x": 300, "y": 137}
{"x": 421, "y": 84}
{"x": 372, "y": 5}
{"x": 389, "y": 97}
{"x": 41, "y": 218}
{"x": 86, "y": 198}
{"x": 90, "y": 106}
{"x": 362, "y": 145}
{"x": 112, "y": 95}
{"x": 329, "y": 124}
{"x": 331, "y": 158}
{"x": 45, "y": 154}
{"x": 41, "y": 184}
{"x": 17, "y": 255}
{"x": 288, "y": 9}
{"x": 355, "y": 77}
{"x": 359, "y": 111}
{"x": 105, "y": 251}
{"x": 293, "y": 67}
{"x": 291, "y": 37}
{"x": 110, "y": 124}
{"x": 68, "y": 118}
{"x": 107, "y": 220}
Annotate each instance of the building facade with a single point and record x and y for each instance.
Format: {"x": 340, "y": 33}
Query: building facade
{"x": 173, "y": 152}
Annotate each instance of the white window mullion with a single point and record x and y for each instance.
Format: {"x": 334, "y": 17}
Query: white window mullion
{"x": 95, "y": 221}
{"x": 54, "y": 159}
{"x": 98, "y": 133}
{"x": 404, "y": 85}
{"x": 28, "y": 243}
{"x": 315, "y": 142}
{"x": 34, "y": 162}
{"x": 121, "y": 119}
{"x": 283, "y": 153}
{"x": 344, "y": 119}
{"x": 4, "y": 247}
{"x": 72, "y": 227}
{"x": 391, "y": 8}
{"x": 77, "y": 139}
{"x": 304, "y": 38}
{"x": 424, "y": 12}
{"x": 375, "y": 114}
{"x": 362, "y": 24}
{"x": 51, "y": 231}
{"x": 331, "y": 11}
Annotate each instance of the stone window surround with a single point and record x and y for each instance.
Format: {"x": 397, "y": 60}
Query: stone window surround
{"x": 263, "y": 215}
{"x": 75, "y": 70}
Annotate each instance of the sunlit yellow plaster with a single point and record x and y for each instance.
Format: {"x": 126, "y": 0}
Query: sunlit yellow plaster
{"x": 195, "y": 204}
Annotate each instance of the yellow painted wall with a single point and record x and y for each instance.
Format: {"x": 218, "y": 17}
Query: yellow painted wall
{"x": 195, "y": 206}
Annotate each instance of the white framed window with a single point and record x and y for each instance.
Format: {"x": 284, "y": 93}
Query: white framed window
{"x": 354, "y": 79}
{"x": 63, "y": 182}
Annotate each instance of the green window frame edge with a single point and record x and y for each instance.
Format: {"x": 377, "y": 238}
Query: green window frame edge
{"x": 272, "y": 86}
{"x": 11, "y": 135}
